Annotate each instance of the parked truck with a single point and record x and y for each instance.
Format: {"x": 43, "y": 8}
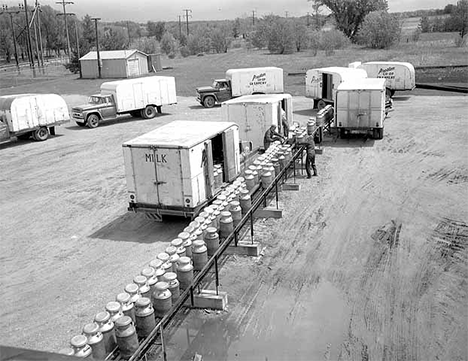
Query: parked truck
{"x": 171, "y": 170}
{"x": 238, "y": 82}
{"x": 139, "y": 97}
{"x": 399, "y": 75}
{"x": 321, "y": 83}
{"x": 360, "y": 106}
{"x": 31, "y": 115}
{"x": 255, "y": 114}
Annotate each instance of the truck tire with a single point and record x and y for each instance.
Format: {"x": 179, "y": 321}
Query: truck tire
{"x": 41, "y": 134}
{"x": 209, "y": 101}
{"x": 92, "y": 121}
{"x": 149, "y": 112}
{"x": 321, "y": 104}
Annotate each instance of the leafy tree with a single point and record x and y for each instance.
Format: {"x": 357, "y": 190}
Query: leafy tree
{"x": 425, "y": 25}
{"x": 349, "y": 14}
{"x": 156, "y": 29}
{"x": 379, "y": 30}
{"x": 52, "y": 30}
{"x": 459, "y": 18}
{"x": 148, "y": 46}
{"x": 236, "y": 28}
{"x": 281, "y": 37}
{"x": 114, "y": 38}
{"x": 168, "y": 43}
{"x": 332, "y": 40}
{"x": 300, "y": 35}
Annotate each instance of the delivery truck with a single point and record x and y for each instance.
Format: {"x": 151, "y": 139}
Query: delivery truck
{"x": 360, "y": 107}
{"x": 238, "y": 82}
{"x": 400, "y": 76}
{"x": 139, "y": 97}
{"x": 255, "y": 114}
{"x": 171, "y": 170}
{"x": 321, "y": 83}
{"x": 31, "y": 115}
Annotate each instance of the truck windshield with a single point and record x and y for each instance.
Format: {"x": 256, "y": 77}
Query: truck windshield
{"x": 94, "y": 99}
{"x": 215, "y": 84}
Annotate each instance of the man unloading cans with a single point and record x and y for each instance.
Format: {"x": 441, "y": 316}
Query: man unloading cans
{"x": 310, "y": 153}
{"x": 270, "y": 136}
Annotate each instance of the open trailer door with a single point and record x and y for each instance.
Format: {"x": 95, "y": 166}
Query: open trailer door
{"x": 231, "y": 154}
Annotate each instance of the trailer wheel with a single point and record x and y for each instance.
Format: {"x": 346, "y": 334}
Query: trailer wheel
{"x": 92, "y": 121}
{"x": 149, "y": 112}
{"x": 321, "y": 104}
{"x": 209, "y": 101}
{"x": 41, "y": 134}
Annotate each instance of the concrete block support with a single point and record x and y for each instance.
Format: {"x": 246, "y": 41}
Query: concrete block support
{"x": 268, "y": 212}
{"x": 291, "y": 186}
{"x": 209, "y": 299}
{"x": 245, "y": 248}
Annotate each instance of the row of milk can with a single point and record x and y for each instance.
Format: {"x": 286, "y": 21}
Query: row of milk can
{"x": 153, "y": 292}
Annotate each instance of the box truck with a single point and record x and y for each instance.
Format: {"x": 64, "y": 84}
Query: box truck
{"x": 238, "y": 82}
{"x": 321, "y": 83}
{"x": 399, "y": 75}
{"x": 255, "y": 114}
{"x": 31, "y": 115}
{"x": 360, "y": 107}
{"x": 170, "y": 170}
{"x": 139, "y": 97}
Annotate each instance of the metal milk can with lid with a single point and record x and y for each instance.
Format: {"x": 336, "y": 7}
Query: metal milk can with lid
{"x": 114, "y": 310}
{"x": 95, "y": 340}
{"x": 80, "y": 346}
{"x": 133, "y": 290}
{"x": 144, "y": 314}
{"x": 126, "y": 304}
{"x": 151, "y": 278}
{"x": 236, "y": 212}
{"x": 106, "y": 327}
{"x": 162, "y": 299}
{"x": 127, "y": 339}
{"x": 185, "y": 272}
{"x": 171, "y": 279}
{"x": 186, "y": 242}
{"x": 226, "y": 225}
{"x": 199, "y": 254}
{"x": 142, "y": 283}
{"x": 211, "y": 239}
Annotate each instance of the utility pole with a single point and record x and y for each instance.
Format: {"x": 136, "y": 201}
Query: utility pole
{"x": 77, "y": 38}
{"x": 308, "y": 19}
{"x": 11, "y": 12}
{"x": 187, "y": 15}
{"x": 28, "y": 33}
{"x": 286, "y": 13}
{"x": 64, "y": 4}
{"x": 97, "y": 45}
{"x": 180, "y": 27}
{"x": 38, "y": 9}
{"x": 253, "y": 17}
{"x": 128, "y": 33}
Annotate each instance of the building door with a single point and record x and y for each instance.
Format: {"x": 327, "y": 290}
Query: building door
{"x": 133, "y": 67}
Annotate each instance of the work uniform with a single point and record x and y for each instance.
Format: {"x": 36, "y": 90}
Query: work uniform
{"x": 270, "y": 136}
{"x": 310, "y": 157}
{"x": 285, "y": 124}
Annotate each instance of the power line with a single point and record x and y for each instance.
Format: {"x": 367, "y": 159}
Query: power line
{"x": 187, "y": 15}
{"x": 64, "y": 4}
{"x": 11, "y": 12}
{"x": 31, "y": 57}
{"x": 97, "y": 45}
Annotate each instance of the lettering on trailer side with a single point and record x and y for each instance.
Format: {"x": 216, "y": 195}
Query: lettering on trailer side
{"x": 160, "y": 158}
{"x": 259, "y": 79}
{"x": 387, "y": 73}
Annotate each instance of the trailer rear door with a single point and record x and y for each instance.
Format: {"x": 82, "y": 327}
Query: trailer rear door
{"x": 231, "y": 152}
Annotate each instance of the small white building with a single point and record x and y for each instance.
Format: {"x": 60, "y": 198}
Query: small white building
{"x": 114, "y": 64}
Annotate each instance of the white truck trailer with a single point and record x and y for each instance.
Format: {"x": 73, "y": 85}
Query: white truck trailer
{"x": 170, "y": 170}
{"x": 31, "y": 115}
{"x": 321, "y": 83}
{"x": 399, "y": 75}
{"x": 360, "y": 107}
{"x": 255, "y": 114}
{"x": 238, "y": 82}
{"x": 139, "y": 97}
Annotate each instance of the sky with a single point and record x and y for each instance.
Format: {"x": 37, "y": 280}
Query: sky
{"x": 170, "y": 10}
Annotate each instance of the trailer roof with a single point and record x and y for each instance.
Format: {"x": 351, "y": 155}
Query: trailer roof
{"x": 339, "y": 70}
{"x": 384, "y": 63}
{"x": 180, "y": 134}
{"x": 111, "y": 54}
{"x": 258, "y": 98}
{"x": 7, "y": 100}
{"x": 113, "y": 84}
{"x": 248, "y": 70}
{"x": 363, "y": 84}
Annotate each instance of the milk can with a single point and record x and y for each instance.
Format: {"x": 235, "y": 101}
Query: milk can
{"x": 80, "y": 346}
{"x": 199, "y": 233}
{"x": 194, "y": 224}
{"x": 69, "y": 351}
{"x": 217, "y": 217}
{"x": 163, "y": 256}
{"x": 162, "y": 299}
{"x": 167, "y": 267}
{"x": 132, "y": 289}
{"x": 127, "y": 339}
{"x": 185, "y": 272}
{"x": 143, "y": 287}
{"x": 114, "y": 310}
{"x": 156, "y": 263}
{"x": 200, "y": 220}
{"x": 256, "y": 177}
{"x": 159, "y": 274}
{"x": 189, "y": 229}
{"x": 95, "y": 340}
{"x": 226, "y": 225}
{"x": 177, "y": 242}
{"x": 282, "y": 161}
{"x": 151, "y": 278}
{"x": 236, "y": 212}
{"x": 211, "y": 239}
{"x": 250, "y": 182}
{"x": 171, "y": 279}
{"x": 106, "y": 327}
{"x": 170, "y": 250}
{"x": 245, "y": 203}
{"x": 125, "y": 303}
{"x": 174, "y": 260}
{"x": 199, "y": 254}
{"x": 267, "y": 179}
{"x": 144, "y": 314}
{"x": 186, "y": 242}
{"x": 311, "y": 126}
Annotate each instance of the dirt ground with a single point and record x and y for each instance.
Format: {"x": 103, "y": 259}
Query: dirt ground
{"x": 369, "y": 261}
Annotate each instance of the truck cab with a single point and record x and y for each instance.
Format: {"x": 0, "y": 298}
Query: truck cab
{"x": 99, "y": 107}
{"x": 218, "y": 92}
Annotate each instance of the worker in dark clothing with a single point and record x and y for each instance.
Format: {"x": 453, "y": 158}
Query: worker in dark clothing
{"x": 284, "y": 124}
{"x": 270, "y": 136}
{"x": 310, "y": 157}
